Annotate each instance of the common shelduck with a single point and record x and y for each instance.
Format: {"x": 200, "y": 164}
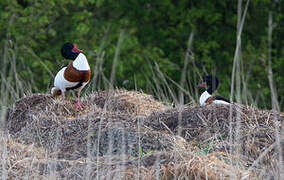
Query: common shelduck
{"x": 211, "y": 82}
{"x": 75, "y": 75}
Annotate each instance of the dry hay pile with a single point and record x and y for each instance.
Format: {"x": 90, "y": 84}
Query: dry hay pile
{"x": 252, "y": 130}
{"x": 161, "y": 165}
{"x": 128, "y": 134}
{"x": 18, "y": 159}
{"x": 187, "y": 165}
{"x": 27, "y": 161}
{"x": 129, "y": 102}
{"x": 41, "y": 120}
{"x": 24, "y": 110}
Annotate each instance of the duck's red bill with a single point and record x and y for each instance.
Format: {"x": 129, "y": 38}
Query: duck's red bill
{"x": 203, "y": 84}
{"x": 75, "y": 49}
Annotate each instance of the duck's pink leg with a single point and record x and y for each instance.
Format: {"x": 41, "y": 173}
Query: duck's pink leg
{"x": 63, "y": 97}
{"x": 78, "y": 105}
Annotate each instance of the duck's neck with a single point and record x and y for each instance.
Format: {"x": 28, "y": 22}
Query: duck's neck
{"x": 210, "y": 90}
{"x": 81, "y": 63}
{"x": 72, "y": 55}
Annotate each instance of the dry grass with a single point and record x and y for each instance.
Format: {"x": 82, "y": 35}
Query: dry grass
{"x": 129, "y": 135}
{"x": 129, "y": 102}
{"x": 212, "y": 124}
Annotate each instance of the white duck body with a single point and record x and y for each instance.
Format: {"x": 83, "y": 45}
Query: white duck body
{"x": 220, "y": 102}
{"x": 61, "y": 83}
{"x": 204, "y": 97}
{"x": 74, "y": 76}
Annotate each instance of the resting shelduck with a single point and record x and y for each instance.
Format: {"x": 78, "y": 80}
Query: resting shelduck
{"x": 74, "y": 76}
{"x": 206, "y": 97}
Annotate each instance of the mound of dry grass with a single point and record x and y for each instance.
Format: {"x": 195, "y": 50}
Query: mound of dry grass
{"x": 240, "y": 130}
{"x": 31, "y": 162}
{"x": 161, "y": 165}
{"x": 19, "y": 161}
{"x": 16, "y": 158}
{"x": 129, "y": 102}
{"x": 61, "y": 128}
{"x": 130, "y": 135}
{"x": 192, "y": 166}
{"x": 24, "y": 110}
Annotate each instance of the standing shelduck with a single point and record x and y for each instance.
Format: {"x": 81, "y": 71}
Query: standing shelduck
{"x": 75, "y": 75}
{"x": 211, "y": 82}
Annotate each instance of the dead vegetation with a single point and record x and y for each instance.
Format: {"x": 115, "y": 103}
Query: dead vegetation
{"x": 129, "y": 135}
{"x": 252, "y": 129}
{"x": 129, "y": 102}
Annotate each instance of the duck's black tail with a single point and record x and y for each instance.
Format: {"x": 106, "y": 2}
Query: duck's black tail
{"x": 218, "y": 97}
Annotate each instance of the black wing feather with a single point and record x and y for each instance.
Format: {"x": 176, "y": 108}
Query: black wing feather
{"x": 218, "y": 97}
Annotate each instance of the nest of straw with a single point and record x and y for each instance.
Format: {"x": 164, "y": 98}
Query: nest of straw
{"x": 16, "y": 158}
{"x": 27, "y": 161}
{"x": 162, "y": 165}
{"x": 41, "y": 120}
{"x": 242, "y": 130}
{"x": 31, "y": 162}
{"x": 129, "y": 134}
{"x": 129, "y": 102}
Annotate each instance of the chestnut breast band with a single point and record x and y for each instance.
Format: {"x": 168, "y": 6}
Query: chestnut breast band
{"x": 72, "y": 74}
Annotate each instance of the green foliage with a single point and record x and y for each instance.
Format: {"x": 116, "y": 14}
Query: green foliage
{"x": 154, "y": 32}
{"x": 205, "y": 150}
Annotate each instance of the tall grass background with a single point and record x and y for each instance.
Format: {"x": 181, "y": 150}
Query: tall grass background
{"x": 159, "y": 85}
